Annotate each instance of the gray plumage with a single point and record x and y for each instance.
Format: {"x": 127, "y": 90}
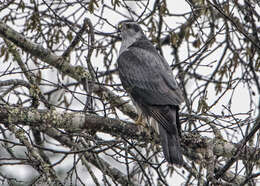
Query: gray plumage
{"x": 148, "y": 79}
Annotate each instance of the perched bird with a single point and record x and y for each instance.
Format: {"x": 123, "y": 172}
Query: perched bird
{"x": 148, "y": 79}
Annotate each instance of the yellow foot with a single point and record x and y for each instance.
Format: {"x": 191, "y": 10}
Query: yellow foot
{"x": 139, "y": 120}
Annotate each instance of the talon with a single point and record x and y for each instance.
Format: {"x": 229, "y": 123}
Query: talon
{"x": 139, "y": 120}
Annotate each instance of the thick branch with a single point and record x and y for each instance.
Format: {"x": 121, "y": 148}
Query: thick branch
{"x": 42, "y": 53}
{"x": 118, "y": 128}
{"x": 76, "y": 72}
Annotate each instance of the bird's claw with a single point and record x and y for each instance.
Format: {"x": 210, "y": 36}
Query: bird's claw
{"x": 139, "y": 121}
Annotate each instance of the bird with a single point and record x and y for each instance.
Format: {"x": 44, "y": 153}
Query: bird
{"x": 147, "y": 78}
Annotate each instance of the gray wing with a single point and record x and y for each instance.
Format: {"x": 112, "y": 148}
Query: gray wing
{"x": 146, "y": 76}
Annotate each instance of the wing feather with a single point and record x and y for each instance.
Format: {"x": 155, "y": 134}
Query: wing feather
{"x": 144, "y": 75}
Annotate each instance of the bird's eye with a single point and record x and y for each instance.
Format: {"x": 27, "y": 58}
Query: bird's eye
{"x": 120, "y": 26}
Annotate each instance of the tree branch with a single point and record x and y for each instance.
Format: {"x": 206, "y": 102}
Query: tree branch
{"x": 78, "y": 121}
{"x": 76, "y": 72}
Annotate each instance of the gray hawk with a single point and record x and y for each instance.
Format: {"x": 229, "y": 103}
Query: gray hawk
{"x": 148, "y": 79}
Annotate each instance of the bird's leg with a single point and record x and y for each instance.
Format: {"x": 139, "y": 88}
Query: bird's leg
{"x": 139, "y": 120}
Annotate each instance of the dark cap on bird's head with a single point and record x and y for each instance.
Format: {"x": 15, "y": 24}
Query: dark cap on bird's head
{"x": 130, "y": 28}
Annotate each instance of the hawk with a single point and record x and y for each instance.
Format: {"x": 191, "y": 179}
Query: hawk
{"x": 148, "y": 79}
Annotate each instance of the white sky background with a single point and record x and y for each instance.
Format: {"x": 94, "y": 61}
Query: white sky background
{"x": 240, "y": 102}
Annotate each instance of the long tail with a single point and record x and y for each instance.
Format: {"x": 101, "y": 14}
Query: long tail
{"x": 169, "y": 129}
{"x": 171, "y": 147}
{"x": 167, "y": 117}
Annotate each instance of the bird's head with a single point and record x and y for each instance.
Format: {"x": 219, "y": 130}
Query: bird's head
{"x": 130, "y": 31}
